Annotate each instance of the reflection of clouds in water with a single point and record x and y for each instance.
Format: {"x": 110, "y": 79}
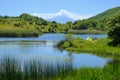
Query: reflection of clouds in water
{"x": 25, "y": 57}
{"x": 42, "y": 56}
{"x": 113, "y": 62}
{"x": 45, "y": 59}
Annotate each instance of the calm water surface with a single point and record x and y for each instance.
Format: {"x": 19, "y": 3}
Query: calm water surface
{"x": 43, "y": 48}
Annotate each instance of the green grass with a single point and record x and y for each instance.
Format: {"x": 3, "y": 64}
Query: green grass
{"x": 96, "y": 46}
{"x": 110, "y": 72}
{"x": 12, "y": 69}
{"x": 86, "y": 31}
{"x": 18, "y": 32}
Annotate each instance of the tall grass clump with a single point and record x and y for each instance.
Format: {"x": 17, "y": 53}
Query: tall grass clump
{"x": 12, "y": 69}
{"x": 19, "y": 32}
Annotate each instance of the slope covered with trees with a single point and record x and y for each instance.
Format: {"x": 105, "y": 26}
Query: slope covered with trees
{"x": 27, "y": 25}
{"x": 106, "y": 14}
{"x": 98, "y": 22}
{"x": 20, "y": 26}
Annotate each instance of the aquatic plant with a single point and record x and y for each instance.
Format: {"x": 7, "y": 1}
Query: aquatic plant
{"x": 12, "y": 69}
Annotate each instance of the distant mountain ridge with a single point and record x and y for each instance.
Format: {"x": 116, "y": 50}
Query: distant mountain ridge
{"x": 104, "y": 16}
{"x": 62, "y": 16}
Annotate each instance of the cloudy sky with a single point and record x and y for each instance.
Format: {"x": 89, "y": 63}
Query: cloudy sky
{"x": 76, "y": 9}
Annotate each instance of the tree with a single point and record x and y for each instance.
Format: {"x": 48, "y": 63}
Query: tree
{"x": 114, "y": 30}
{"x": 69, "y": 24}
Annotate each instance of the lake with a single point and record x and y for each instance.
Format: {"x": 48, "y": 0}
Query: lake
{"x": 42, "y": 48}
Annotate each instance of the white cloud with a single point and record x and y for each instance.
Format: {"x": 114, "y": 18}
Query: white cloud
{"x": 62, "y": 12}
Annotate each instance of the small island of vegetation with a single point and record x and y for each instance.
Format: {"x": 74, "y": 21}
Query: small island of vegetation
{"x": 108, "y": 45}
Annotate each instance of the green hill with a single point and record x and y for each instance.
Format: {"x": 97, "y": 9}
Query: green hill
{"x": 97, "y": 22}
{"x": 27, "y": 25}
{"x": 21, "y": 26}
{"x": 106, "y": 15}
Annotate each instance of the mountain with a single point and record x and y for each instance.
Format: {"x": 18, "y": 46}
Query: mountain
{"x": 61, "y": 19}
{"x": 62, "y": 16}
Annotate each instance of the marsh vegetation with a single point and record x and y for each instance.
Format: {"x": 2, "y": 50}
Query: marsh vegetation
{"x": 12, "y": 69}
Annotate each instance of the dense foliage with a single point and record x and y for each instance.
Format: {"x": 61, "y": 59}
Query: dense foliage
{"x": 114, "y": 30}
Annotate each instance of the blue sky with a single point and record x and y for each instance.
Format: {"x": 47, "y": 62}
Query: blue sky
{"x": 81, "y": 7}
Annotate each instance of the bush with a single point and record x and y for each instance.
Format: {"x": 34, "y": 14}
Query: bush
{"x": 114, "y": 30}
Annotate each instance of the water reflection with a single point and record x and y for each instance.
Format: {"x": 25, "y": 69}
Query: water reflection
{"x": 43, "y": 48}
{"x": 113, "y": 62}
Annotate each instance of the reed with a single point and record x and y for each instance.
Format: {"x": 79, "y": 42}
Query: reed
{"x": 12, "y": 69}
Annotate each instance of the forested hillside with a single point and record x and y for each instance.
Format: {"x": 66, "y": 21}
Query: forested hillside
{"x": 27, "y": 25}
{"x": 106, "y": 15}
{"x": 98, "y": 22}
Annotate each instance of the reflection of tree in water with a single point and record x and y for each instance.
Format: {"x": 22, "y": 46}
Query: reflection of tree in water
{"x": 113, "y": 62}
{"x": 112, "y": 68}
{"x": 70, "y": 57}
{"x": 31, "y": 43}
{"x": 35, "y": 43}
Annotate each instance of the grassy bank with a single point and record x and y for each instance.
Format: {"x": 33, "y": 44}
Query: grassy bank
{"x": 19, "y": 32}
{"x": 110, "y": 72}
{"x": 11, "y": 69}
{"x": 96, "y": 46}
{"x": 86, "y": 31}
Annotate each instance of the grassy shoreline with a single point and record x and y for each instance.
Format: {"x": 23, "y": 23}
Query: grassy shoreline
{"x": 19, "y": 32}
{"x": 86, "y": 32}
{"x": 11, "y": 69}
{"x": 97, "y": 46}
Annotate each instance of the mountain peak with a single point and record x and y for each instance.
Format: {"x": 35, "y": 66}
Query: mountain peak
{"x": 62, "y": 13}
{"x": 61, "y": 19}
